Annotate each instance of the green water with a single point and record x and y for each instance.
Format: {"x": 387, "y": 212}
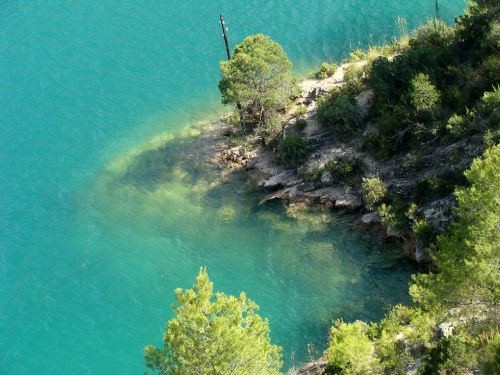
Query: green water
{"x": 99, "y": 223}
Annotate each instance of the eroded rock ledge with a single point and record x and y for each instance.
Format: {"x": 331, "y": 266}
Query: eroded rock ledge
{"x": 398, "y": 172}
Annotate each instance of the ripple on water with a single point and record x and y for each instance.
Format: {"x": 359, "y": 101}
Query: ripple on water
{"x": 90, "y": 255}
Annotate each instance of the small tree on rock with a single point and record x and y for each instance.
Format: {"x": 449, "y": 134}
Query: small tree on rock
{"x": 214, "y": 335}
{"x": 258, "y": 77}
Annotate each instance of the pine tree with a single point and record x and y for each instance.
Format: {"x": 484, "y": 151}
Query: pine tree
{"x": 214, "y": 334}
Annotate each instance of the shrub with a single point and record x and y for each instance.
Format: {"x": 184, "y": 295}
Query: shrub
{"x": 434, "y": 33}
{"x": 354, "y": 79}
{"x": 489, "y": 108}
{"x": 357, "y": 55}
{"x": 435, "y": 187}
{"x": 325, "y": 70}
{"x": 424, "y": 231}
{"x": 293, "y": 150}
{"x": 301, "y": 124}
{"x": 394, "y": 214}
{"x": 339, "y": 112}
{"x": 403, "y": 335}
{"x": 374, "y": 191}
{"x": 491, "y": 137}
{"x": 451, "y": 356}
{"x": 458, "y": 126}
{"x": 343, "y": 167}
{"x": 491, "y": 360}
{"x": 350, "y": 350}
{"x": 381, "y": 79}
{"x": 489, "y": 70}
{"x": 467, "y": 255}
{"x": 300, "y": 111}
{"x": 423, "y": 95}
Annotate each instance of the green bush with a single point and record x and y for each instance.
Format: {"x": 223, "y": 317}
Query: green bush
{"x": 381, "y": 80}
{"x": 301, "y": 124}
{"x": 458, "y": 126}
{"x": 300, "y": 111}
{"x": 402, "y": 336}
{"x": 491, "y": 137}
{"x": 489, "y": 108}
{"x": 350, "y": 350}
{"x": 357, "y": 55}
{"x": 339, "y": 112}
{"x": 374, "y": 191}
{"x": 467, "y": 254}
{"x": 354, "y": 78}
{"x": 491, "y": 358}
{"x": 423, "y": 95}
{"x": 325, "y": 70}
{"x": 214, "y": 331}
{"x": 434, "y": 33}
{"x": 434, "y": 187}
{"x": 393, "y": 213}
{"x": 293, "y": 150}
{"x": 343, "y": 168}
{"x": 452, "y": 355}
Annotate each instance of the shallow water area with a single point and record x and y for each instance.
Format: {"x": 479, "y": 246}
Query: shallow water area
{"x": 103, "y": 211}
{"x": 303, "y": 265}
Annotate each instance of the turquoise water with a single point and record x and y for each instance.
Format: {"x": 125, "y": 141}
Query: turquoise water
{"x": 95, "y": 237}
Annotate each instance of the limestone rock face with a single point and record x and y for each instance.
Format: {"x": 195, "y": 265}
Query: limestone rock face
{"x": 420, "y": 255}
{"x": 403, "y": 173}
{"x": 445, "y": 329}
{"x": 349, "y": 202}
{"x": 326, "y": 178}
{"x": 282, "y": 179}
{"x": 393, "y": 233}
{"x": 370, "y": 218}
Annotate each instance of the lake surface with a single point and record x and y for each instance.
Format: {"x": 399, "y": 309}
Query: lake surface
{"x": 98, "y": 225}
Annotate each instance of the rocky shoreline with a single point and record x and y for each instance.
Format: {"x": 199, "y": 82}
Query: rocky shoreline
{"x": 399, "y": 173}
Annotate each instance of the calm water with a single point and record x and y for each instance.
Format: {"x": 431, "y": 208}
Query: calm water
{"x": 98, "y": 226}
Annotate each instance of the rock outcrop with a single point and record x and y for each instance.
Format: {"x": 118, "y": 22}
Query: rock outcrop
{"x": 401, "y": 173}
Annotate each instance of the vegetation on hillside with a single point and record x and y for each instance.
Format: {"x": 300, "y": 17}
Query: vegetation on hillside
{"x": 438, "y": 86}
{"x": 453, "y": 324}
{"x": 214, "y": 334}
{"x": 433, "y": 88}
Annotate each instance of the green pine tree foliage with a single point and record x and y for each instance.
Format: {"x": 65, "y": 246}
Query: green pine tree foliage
{"x": 468, "y": 257}
{"x": 214, "y": 335}
{"x": 259, "y": 76}
{"x": 351, "y": 351}
{"x": 424, "y": 97}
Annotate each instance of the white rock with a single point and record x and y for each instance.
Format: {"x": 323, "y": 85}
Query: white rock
{"x": 370, "y": 217}
{"x": 326, "y": 178}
